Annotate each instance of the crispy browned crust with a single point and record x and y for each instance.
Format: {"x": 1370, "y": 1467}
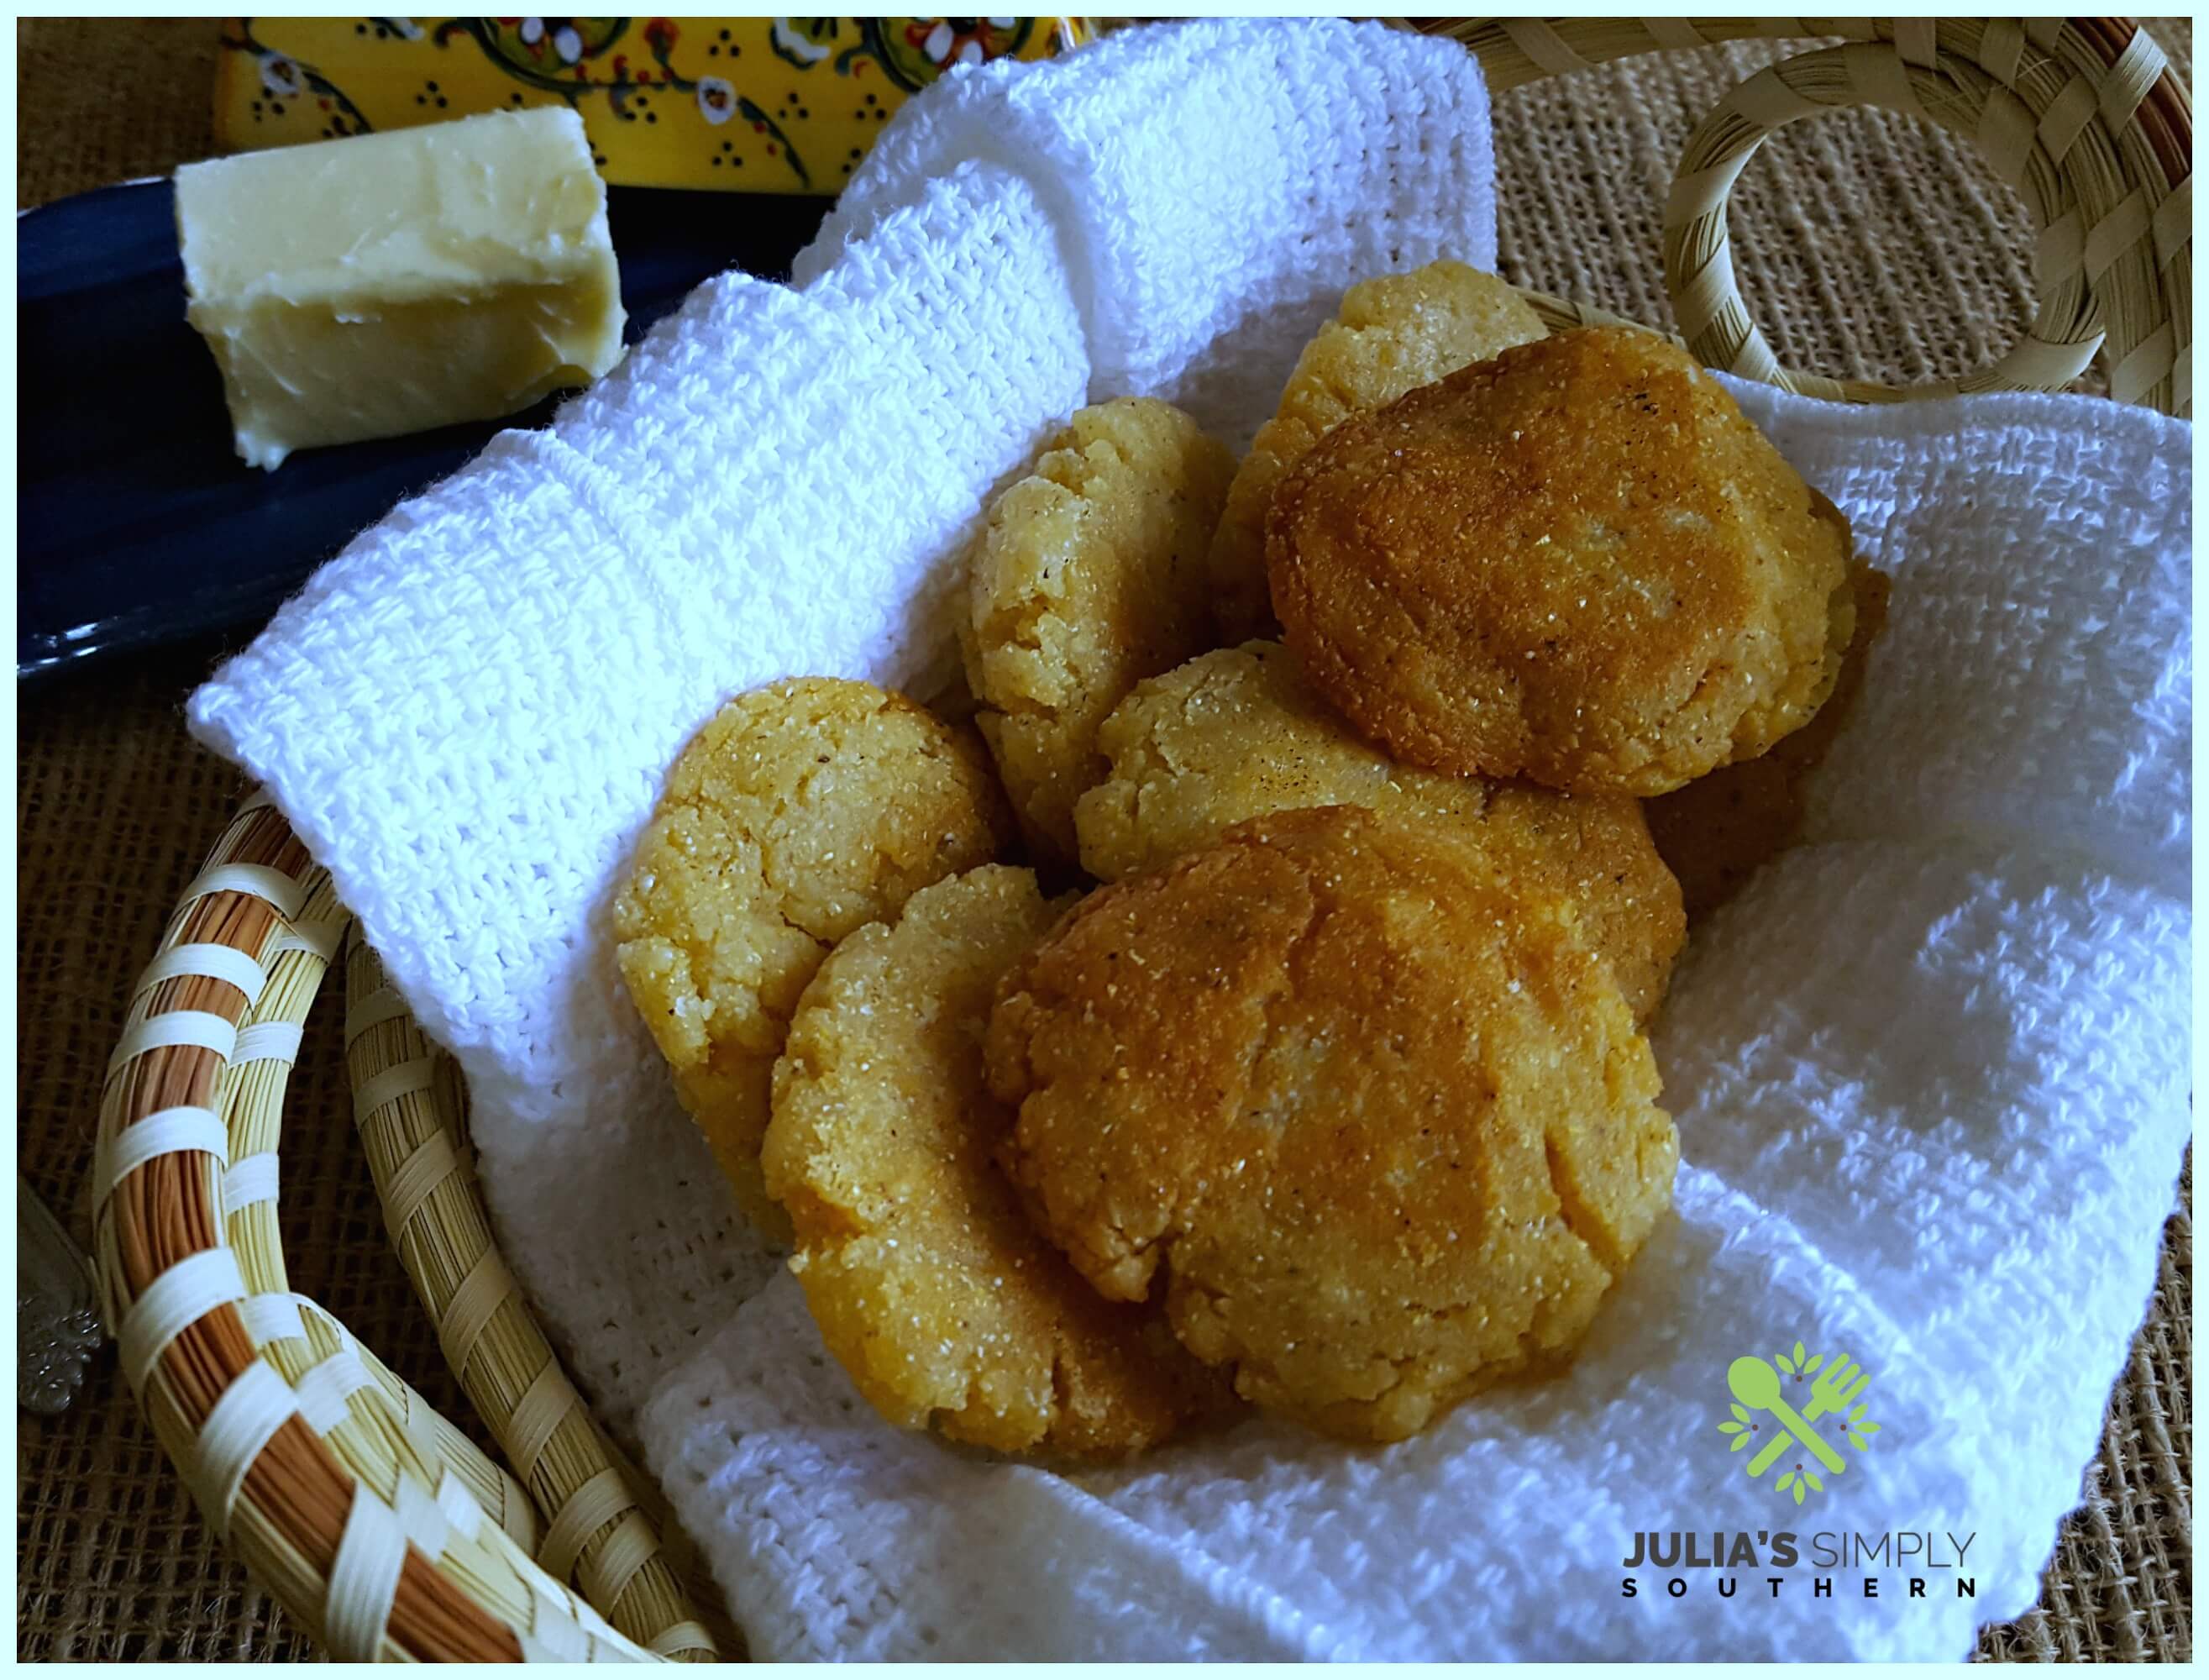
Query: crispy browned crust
{"x": 1392, "y": 334}
{"x": 1594, "y": 850}
{"x": 1238, "y": 732}
{"x": 1375, "y": 1114}
{"x": 1721, "y": 828}
{"x": 1577, "y": 563}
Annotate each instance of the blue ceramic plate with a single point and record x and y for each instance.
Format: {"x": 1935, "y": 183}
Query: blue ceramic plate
{"x": 135, "y": 524}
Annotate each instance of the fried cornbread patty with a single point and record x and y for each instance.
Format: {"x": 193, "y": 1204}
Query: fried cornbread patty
{"x": 928, "y": 1282}
{"x": 1089, "y": 576}
{"x": 1392, "y": 334}
{"x": 803, "y": 810}
{"x": 1375, "y": 1120}
{"x": 1721, "y": 828}
{"x": 1238, "y": 732}
{"x": 1577, "y": 563}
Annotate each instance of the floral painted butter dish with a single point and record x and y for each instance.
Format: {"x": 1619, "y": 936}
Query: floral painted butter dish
{"x": 743, "y": 104}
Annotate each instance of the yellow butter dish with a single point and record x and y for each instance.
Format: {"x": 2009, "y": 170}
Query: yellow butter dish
{"x": 744, "y": 104}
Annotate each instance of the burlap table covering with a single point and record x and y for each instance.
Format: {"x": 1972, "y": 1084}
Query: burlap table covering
{"x": 1870, "y": 246}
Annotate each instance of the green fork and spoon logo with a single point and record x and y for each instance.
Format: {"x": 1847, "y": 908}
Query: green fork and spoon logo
{"x": 1837, "y": 1386}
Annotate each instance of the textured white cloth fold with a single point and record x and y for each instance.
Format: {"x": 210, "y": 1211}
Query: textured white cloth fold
{"x": 1929, "y": 1069}
{"x": 1930, "y": 1073}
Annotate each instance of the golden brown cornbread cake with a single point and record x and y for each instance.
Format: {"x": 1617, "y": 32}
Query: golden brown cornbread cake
{"x": 1577, "y": 563}
{"x": 1393, "y": 335}
{"x": 1721, "y": 828}
{"x": 1377, "y": 1121}
{"x": 1238, "y": 732}
{"x": 804, "y": 810}
{"x": 1089, "y": 576}
{"x": 1594, "y": 850}
{"x": 928, "y": 1284}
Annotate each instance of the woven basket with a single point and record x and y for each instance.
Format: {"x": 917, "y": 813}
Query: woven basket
{"x": 383, "y": 1528}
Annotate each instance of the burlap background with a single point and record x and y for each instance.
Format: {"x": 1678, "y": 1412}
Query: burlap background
{"x": 1869, "y": 246}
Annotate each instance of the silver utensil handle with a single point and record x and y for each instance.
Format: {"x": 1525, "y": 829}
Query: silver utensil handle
{"x": 58, "y": 1326}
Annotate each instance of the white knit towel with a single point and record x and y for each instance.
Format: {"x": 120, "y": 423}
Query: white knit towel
{"x": 1929, "y": 1069}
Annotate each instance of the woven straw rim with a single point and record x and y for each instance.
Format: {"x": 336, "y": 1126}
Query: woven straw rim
{"x": 381, "y": 1526}
{"x": 2084, "y": 117}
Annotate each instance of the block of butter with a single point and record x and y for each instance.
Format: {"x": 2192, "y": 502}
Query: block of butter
{"x": 389, "y": 283}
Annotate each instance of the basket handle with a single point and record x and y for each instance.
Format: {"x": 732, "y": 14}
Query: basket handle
{"x": 2084, "y": 117}
{"x": 362, "y": 1511}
